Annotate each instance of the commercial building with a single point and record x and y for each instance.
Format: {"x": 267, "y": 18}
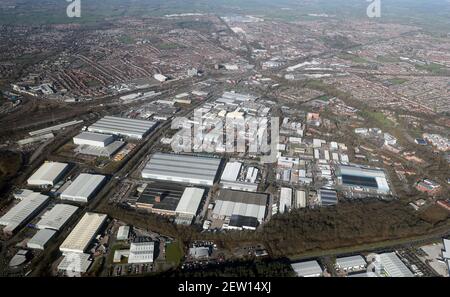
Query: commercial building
{"x": 200, "y": 252}
{"x": 231, "y": 171}
{"x": 351, "y": 264}
{"x": 101, "y": 145}
{"x": 189, "y": 203}
{"x": 245, "y": 204}
{"x": 361, "y": 177}
{"x": 48, "y": 174}
{"x": 161, "y": 197}
{"x": 307, "y": 269}
{"x": 84, "y": 232}
{"x": 239, "y": 186}
{"x": 40, "y": 239}
{"x": 123, "y": 233}
{"x": 392, "y": 266}
{"x": 93, "y": 139}
{"x": 327, "y": 197}
{"x": 182, "y": 168}
{"x": 83, "y": 188}
{"x": 141, "y": 251}
{"x": 300, "y": 199}
{"x": 131, "y": 128}
{"x": 73, "y": 264}
{"x": 57, "y": 217}
{"x": 23, "y": 212}
{"x": 285, "y": 200}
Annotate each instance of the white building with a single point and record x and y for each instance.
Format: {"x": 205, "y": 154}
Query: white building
{"x": 83, "y": 187}
{"x": 131, "y": 128}
{"x": 231, "y": 171}
{"x": 160, "y": 77}
{"x": 141, "y": 252}
{"x": 307, "y": 269}
{"x": 123, "y": 233}
{"x": 301, "y": 199}
{"x": 57, "y": 217}
{"x": 48, "y": 174}
{"x": 22, "y": 212}
{"x": 40, "y": 239}
{"x": 350, "y": 264}
{"x": 392, "y": 266}
{"x": 189, "y": 202}
{"x": 93, "y": 139}
{"x": 285, "y": 200}
{"x": 73, "y": 264}
{"x": 84, "y": 232}
{"x": 182, "y": 168}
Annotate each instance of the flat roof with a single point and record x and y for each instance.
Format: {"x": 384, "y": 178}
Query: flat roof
{"x": 123, "y": 126}
{"x": 91, "y": 136}
{"x": 307, "y": 268}
{"x": 83, "y": 187}
{"x": 56, "y": 217}
{"x": 190, "y": 201}
{"x": 48, "y": 173}
{"x": 393, "y": 266}
{"x": 182, "y": 168}
{"x": 23, "y": 211}
{"x": 83, "y": 233}
{"x": 231, "y": 171}
{"x": 247, "y": 204}
{"x": 351, "y": 261}
{"x": 75, "y": 263}
{"x": 168, "y": 193}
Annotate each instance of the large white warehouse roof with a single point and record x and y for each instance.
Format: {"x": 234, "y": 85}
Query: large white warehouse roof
{"x": 48, "y": 174}
{"x": 83, "y": 187}
{"x": 94, "y": 139}
{"x": 190, "y": 201}
{"x": 231, "y": 171}
{"x": 245, "y": 204}
{"x": 83, "y": 233}
{"x": 123, "y": 126}
{"x": 182, "y": 168}
{"x": 141, "y": 252}
{"x": 393, "y": 266}
{"x": 56, "y": 217}
{"x": 23, "y": 211}
{"x": 307, "y": 269}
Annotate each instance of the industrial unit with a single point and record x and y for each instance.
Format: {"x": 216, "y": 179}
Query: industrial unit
{"x": 307, "y": 269}
{"x": 57, "y": 217}
{"x": 351, "y": 264}
{"x": 285, "y": 200}
{"x": 182, "y": 168}
{"x": 40, "y": 239}
{"x": 141, "y": 251}
{"x": 392, "y": 266}
{"x": 84, "y": 232}
{"x": 161, "y": 197}
{"x": 328, "y": 197}
{"x": 48, "y": 174}
{"x": 83, "y": 187}
{"x": 93, "y": 139}
{"x": 245, "y": 204}
{"x": 189, "y": 203}
{"x": 22, "y": 212}
{"x": 131, "y": 128}
{"x": 356, "y": 176}
{"x": 74, "y": 264}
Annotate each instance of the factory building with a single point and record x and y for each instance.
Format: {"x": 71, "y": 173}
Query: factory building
{"x": 73, "y": 264}
{"x": 161, "y": 197}
{"x": 300, "y": 199}
{"x": 365, "y": 178}
{"x": 23, "y": 212}
{"x": 231, "y": 171}
{"x": 123, "y": 233}
{"x": 84, "y": 232}
{"x": 307, "y": 269}
{"x": 351, "y": 264}
{"x": 328, "y": 197}
{"x": 285, "y": 200}
{"x": 48, "y": 174}
{"x": 93, "y": 139}
{"x": 244, "y": 204}
{"x": 392, "y": 266}
{"x": 182, "y": 168}
{"x": 57, "y": 217}
{"x": 83, "y": 188}
{"x": 40, "y": 239}
{"x": 136, "y": 129}
{"x": 141, "y": 251}
{"x": 95, "y": 144}
{"x": 189, "y": 203}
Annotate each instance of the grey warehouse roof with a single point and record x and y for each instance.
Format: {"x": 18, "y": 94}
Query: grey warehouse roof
{"x": 123, "y": 126}
{"x": 83, "y": 187}
{"x": 308, "y": 268}
{"x": 349, "y": 262}
{"x": 182, "y": 168}
{"x": 56, "y": 217}
{"x": 40, "y": 239}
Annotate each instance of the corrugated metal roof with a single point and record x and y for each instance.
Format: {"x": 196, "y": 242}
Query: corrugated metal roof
{"x": 83, "y": 187}
{"x": 349, "y": 262}
{"x": 83, "y": 233}
{"x": 231, "y": 171}
{"x": 56, "y": 217}
{"x": 308, "y": 268}
{"x": 40, "y": 239}
{"x": 190, "y": 201}
{"x": 123, "y": 126}
{"x": 48, "y": 173}
{"x": 393, "y": 266}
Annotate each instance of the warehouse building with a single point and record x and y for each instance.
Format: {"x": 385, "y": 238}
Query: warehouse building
{"x": 74, "y": 264}
{"x": 161, "y": 197}
{"x": 307, "y": 269}
{"x": 83, "y": 188}
{"x": 351, "y": 264}
{"x": 300, "y": 197}
{"x": 136, "y": 129}
{"x": 182, "y": 168}
{"x": 231, "y": 171}
{"x": 328, "y": 197}
{"x": 285, "y": 200}
{"x": 57, "y": 217}
{"x": 245, "y": 204}
{"x": 392, "y": 266}
{"x": 95, "y": 144}
{"x": 141, "y": 251}
{"x": 93, "y": 139}
{"x": 123, "y": 233}
{"x": 239, "y": 186}
{"x": 48, "y": 174}
{"x": 40, "y": 239}
{"x": 84, "y": 232}
{"x": 23, "y": 212}
{"x": 188, "y": 205}
{"x": 356, "y": 176}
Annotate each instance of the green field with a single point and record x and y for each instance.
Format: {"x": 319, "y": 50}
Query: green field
{"x": 174, "y": 252}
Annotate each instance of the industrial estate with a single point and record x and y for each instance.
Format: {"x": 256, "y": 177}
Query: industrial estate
{"x": 190, "y": 144}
